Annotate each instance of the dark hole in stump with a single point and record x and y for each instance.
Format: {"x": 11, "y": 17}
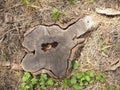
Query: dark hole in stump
{"x": 48, "y": 46}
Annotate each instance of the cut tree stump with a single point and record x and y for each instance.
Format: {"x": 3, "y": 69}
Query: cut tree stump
{"x": 51, "y": 48}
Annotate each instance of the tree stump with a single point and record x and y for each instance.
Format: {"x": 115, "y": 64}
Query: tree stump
{"x": 51, "y": 47}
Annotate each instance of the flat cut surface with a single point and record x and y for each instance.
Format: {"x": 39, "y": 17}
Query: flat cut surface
{"x": 51, "y": 46}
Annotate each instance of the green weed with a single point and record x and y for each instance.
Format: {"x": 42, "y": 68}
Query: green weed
{"x": 44, "y": 81}
{"x": 75, "y": 65}
{"x": 55, "y": 14}
{"x": 66, "y": 82}
{"x": 77, "y": 81}
{"x": 29, "y": 82}
{"x": 28, "y": 3}
{"x": 82, "y": 79}
{"x": 85, "y": 78}
{"x": 73, "y": 1}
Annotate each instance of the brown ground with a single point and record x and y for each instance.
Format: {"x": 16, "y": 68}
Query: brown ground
{"x": 16, "y": 18}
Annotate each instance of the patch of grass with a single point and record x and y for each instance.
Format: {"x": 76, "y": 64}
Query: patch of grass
{"x": 75, "y": 65}
{"x": 28, "y": 3}
{"x": 100, "y": 77}
{"x": 55, "y": 14}
{"x": 28, "y": 82}
{"x": 73, "y": 1}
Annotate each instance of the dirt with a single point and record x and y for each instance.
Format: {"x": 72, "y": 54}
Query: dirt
{"x": 94, "y": 58}
{"x": 16, "y": 18}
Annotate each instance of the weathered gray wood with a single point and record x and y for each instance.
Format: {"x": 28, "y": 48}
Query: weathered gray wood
{"x": 108, "y": 11}
{"x": 59, "y": 44}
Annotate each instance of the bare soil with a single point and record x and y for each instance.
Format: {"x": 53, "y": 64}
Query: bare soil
{"x": 16, "y": 18}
